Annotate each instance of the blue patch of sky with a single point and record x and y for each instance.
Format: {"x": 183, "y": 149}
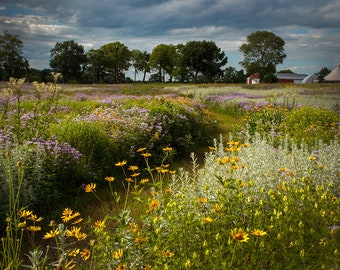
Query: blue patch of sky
{"x": 11, "y": 10}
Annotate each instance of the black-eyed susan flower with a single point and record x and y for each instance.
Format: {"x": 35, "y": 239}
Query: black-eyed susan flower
{"x": 121, "y": 267}
{"x": 25, "y": 213}
{"x": 141, "y": 149}
{"x": 121, "y": 163}
{"x": 118, "y": 254}
{"x": 154, "y": 204}
{"x": 129, "y": 179}
{"x": 167, "y": 149}
{"x": 51, "y": 234}
{"x": 85, "y": 254}
{"x": 146, "y": 154}
{"x": 109, "y": 178}
{"x": 240, "y": 235}
{"x": 90, "y": 187}
{"x": 202, "y": 200}
{"x": 73, "y": 252}
{"x": 207, "y": 220}
{"x": 73, "y": 232}
{"x": 143, "y": 181}
{"x": 34, "y": 228}
{"x": 133, "y": 168}
{"x": 34, "y": 218}
{"x": 257, "y": 232}
{"x": 99, "y": 225}
{"x": 168, "y": 254}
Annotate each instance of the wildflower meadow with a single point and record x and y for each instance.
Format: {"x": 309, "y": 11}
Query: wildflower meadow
{"x": 178, "y": 177}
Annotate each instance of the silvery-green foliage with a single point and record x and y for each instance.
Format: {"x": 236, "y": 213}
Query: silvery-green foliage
{"x": 265, "y": 166}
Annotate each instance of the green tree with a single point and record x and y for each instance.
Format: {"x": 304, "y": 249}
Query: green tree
{"x": 323, "y": 73}
{"x": 69, "y": 59}
{"x": 162, "y": 59}
{"x": 12, "y": 62}
{"x": 231, "y": 75}
{"x": 117, "y": 60}
{"x": 204, "y": 57}
{"x": 95, "y": 65}
{"x": 140, "y": 62}
{"x": 262, "y": 52}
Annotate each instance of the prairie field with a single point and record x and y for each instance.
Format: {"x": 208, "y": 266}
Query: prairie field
{"x": 169, "y": 176}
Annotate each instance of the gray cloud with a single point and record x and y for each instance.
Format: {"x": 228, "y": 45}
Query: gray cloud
{"x": 309, "y": 27}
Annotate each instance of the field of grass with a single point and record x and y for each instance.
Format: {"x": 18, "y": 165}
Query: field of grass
{"x": 154, "y": 176}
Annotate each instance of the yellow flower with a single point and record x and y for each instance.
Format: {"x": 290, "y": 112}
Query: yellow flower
{"x": 22, "y": 224}
{"x": 35, "y": 218}
{"x": 141, "y": 149}
{"x": 257, "y": 232}
{"x": 73, "y": 232}
{"x": 81, "y": 236}
{"x": 239, "y": 235}
{"x": 118, "y": 254}
{"x": 212, "y": 148}
{"x": 109, "y": 178}
{"x": 146, "y": 154}
{"x": 99, "y": 225}
{"x": 129, "y": 179}
{"x": 51, "y": 234}
{"x": 121, "y": 267}
{"x": 77, "y": 221}
{"x": 90, "y": 187}
{"x": 311, "y": 158}
{"x": 168, "y": 254}
{"x": 153, "y": 205}
{"x": 85, "y": 254}
{"x": 74, "y": 252}
{"x": 34, "y": 228}
{"x": 135, "y": 174}
{"x": 143, "y": 181}
{"x": 167, "y": 149}
{"x": 25, "y": 213}
{"x": 121, "y": 163}
{"x": 67, "y": 215}
{"x": 208, "y": 220}
{"x": 202, "y": 200}
{"x": 133, "y": 168}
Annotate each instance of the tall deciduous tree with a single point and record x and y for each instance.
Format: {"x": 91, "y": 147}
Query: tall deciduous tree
{"x": 162, "y": 59}
{"x": 95, "y": 65}
{"x": 117, "y": 60}
{"x": 140, "y": 62}
{"x": 69, "y": 59}
{"x": 204, "y": 57}
{"x": 262, "y": 52}
{"x": 11, "y": 59}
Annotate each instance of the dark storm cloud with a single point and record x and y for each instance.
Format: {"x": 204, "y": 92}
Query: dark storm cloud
{"x": 309, "y": 27}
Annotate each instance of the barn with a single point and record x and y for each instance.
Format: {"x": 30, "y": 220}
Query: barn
{"x": 290, "y": 77}
{"x": 334, "y": 76}
{"x": 253, "y": 79}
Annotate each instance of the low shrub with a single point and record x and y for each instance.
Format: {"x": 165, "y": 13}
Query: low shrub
{"x": 309, "y": 125}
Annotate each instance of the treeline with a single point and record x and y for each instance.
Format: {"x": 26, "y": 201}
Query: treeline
{"x": 194, "y": 62}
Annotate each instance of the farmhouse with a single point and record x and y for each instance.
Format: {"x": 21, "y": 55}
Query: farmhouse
{"x": 253, "y": 79}
{"x": 290, "y": 77}
{"x": 334, "y": 76}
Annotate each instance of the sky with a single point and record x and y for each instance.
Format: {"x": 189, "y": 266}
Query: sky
{"x": 310, "y": 28}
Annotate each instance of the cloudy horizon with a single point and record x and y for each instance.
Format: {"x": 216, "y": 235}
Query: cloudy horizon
{"x": 310, "y": 29}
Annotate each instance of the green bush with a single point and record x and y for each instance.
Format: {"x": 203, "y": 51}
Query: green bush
{"x": 91, "y": 140}
{"x": 311, "y": 124}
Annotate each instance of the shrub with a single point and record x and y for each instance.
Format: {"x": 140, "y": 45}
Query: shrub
{"x": 308, "y": 124}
